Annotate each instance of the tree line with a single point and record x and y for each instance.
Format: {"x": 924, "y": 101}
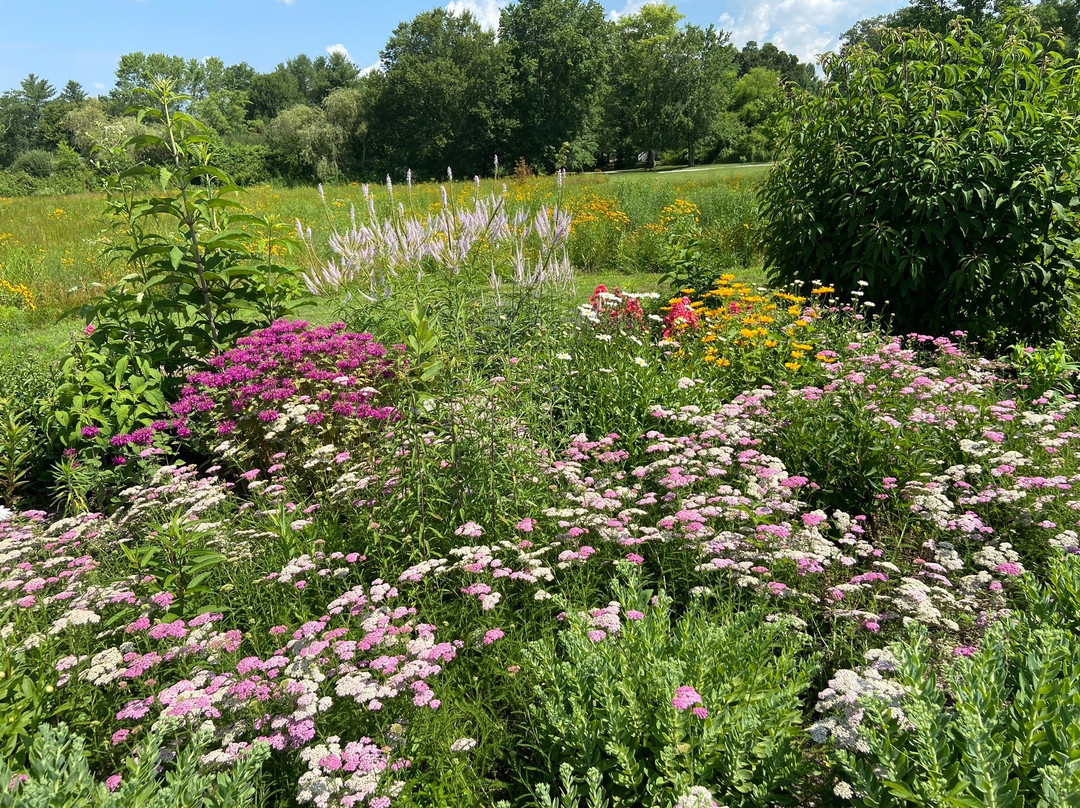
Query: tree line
{"x": 558, "y": 85}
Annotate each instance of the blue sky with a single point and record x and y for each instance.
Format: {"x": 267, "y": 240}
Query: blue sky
{"x": 83, "y": 39}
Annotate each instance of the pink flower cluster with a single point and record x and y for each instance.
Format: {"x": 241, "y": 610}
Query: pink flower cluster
{"x": 293, "y": 377}
{"x": 685, "y": 698}
{"x": 681, "y": 317}
{"x": 616, "y": 310}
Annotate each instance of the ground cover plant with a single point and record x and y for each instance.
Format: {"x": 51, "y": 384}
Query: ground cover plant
{"x": 486, "y": 532}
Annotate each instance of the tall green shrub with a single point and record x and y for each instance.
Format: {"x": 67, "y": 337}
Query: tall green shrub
{"x": 201, "y": 270}
{"x": 942, "y": 171}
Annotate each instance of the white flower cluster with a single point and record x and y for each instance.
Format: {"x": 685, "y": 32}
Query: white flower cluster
{"x": 463, "y": 745}
{"x": 346, "y": 775}
{"x": 291, "y": 417}
{"x": 845, "y": 699}
{"x": 697, "y": 797}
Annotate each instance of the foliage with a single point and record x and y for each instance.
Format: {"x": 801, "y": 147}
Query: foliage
{"x": 60, "y": 778}
{"x": 876, "y": 183}
{"x": 441, "y": 98}
{"x": 16, "y": 447}
{"x": 37, "y": 163}
{"x": 305, "y": 144}
{"x": 757, "y": 98}
{"x": 938, "y": 16}
{"x": 1044, "y": 370}
{"x": 769, "y": 57}
{"x": 23, "y": 381}
{"x": 28, "y": 703}
{"x": 559, "y": 56}
{"x": 100, "y": 395}
{"x": 658, "y": 704}
{"x": 690, "y": 256}
{"x": 667, "y": 87}
{"x": 996, "y": 727}
{"x": 247, "y": 164}
{"x": 195, "y": 289}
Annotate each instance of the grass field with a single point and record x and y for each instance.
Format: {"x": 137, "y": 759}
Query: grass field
{"x": 55, "y": 247}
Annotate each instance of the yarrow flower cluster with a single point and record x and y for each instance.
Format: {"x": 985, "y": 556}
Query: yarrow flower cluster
{"x": 697, "y": 797}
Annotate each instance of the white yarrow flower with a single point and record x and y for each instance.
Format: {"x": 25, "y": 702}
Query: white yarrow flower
{"x": 463, "y": 745}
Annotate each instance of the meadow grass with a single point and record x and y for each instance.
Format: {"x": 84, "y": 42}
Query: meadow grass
{"x": 56, "y": 246}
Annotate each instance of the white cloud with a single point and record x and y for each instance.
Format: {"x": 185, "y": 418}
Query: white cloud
{"x": 98, "y": 85}
{"x": 485, "y": 12}
{"x": 287, "y": 2}
{"x": 339, "y": 48}
{"x": 370, "y": 68}
{"x": 631, "y": 7}
{"x": 807, "y": 28}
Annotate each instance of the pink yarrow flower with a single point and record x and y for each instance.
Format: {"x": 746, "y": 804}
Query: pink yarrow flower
{"x": 685, "y": 698}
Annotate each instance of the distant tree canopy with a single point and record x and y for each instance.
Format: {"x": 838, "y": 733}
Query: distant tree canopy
{"x": 439, "y": 99}
{"x": 558, "y": 85}
{"x": 669, "y": 83}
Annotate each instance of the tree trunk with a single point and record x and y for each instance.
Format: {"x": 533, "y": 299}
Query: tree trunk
{"x": 690, "y": 154}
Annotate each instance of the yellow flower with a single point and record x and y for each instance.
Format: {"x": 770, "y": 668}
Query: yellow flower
{"x": 22, "y": 291}
{"x": 792, "y": 366}
{"x": 771, "y": 343}
{"x": 824, "y": 290}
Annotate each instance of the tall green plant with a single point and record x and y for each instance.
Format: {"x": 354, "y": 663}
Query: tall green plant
{"x": 943, "y": 170}
{"x": 202, "y": 271}
{"x": 16, "y": 441}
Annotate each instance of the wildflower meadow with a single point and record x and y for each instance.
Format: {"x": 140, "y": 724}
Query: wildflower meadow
{"x": 552, "y": 492}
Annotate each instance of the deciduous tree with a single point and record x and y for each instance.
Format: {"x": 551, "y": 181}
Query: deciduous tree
{"x": 559, "y": 52}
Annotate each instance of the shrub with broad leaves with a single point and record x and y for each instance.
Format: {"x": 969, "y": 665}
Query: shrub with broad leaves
{"x": 942, "y": 170}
